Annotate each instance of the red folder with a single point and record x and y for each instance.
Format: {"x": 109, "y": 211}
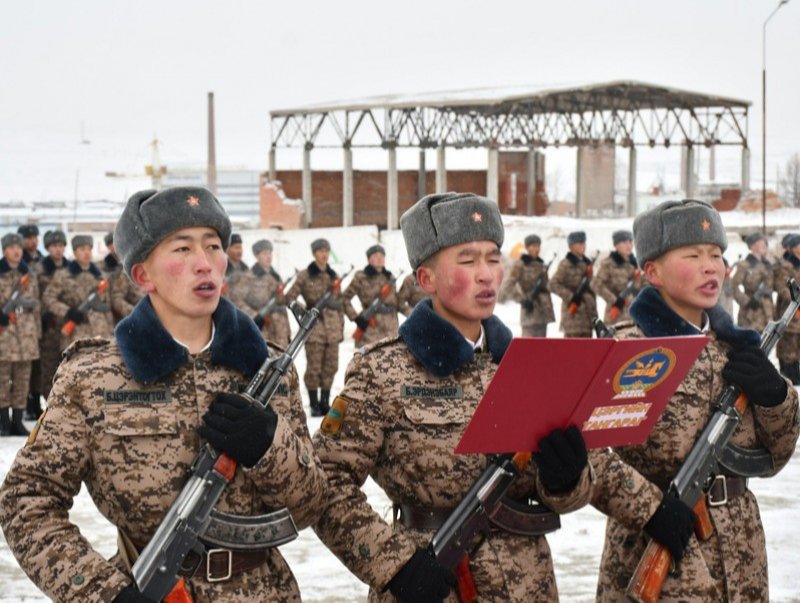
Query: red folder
{"x": 614, "y": 391}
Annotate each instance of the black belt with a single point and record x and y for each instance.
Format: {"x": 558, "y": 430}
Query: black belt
{"x": 725, "y": 488}
{"x": 218, "y": 564}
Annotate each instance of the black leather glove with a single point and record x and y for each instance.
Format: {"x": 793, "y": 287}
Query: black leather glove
{"x": 561, "y": 459}
{"x": 527, "y": 303}
{"x": 242, "y": 429}
{"x": 131, "y": 594}
{"x": 423, "y": 580}
{"x": 751, "y": 370}
{"x": 259, "y": 320}
{"x": 4, "y": 319}
{"x": 671, "y": 526}
{"x": 76, "y": 316}
{"x": 362, "y": 323}
{"x": 753, "y": 304}
{"x": 619, "y": 303}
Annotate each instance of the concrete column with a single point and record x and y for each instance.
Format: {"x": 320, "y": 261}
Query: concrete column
{"x": 392, "y": 218}
{"x": 579, "y": 166}
{"x": 691, "y": 180}
{"x": 493, "y": 176}
{"x": 631, "y": 182}
{"x": 745, "y": 169}
{"x": 712, "y": 163}
{"x": 307, "y": 194}
{"x": 421, "y": 180}
{"x": 273, "y": 171}
{"x": 441, "y": 170}
{"x": 529, "y": 209}
{"x": 347, "y": 188}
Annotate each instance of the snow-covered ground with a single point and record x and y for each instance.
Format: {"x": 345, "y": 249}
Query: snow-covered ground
{"x": 576, "y": 547}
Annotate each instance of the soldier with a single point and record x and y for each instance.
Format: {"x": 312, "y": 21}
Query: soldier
{"x": 322, "y": 346}
{"x": 528, "y": 285}
{"x": 788, "y": 348}
{"x": 405, "y": 404}
{"x": 753, "y": 284}
{"x": 55, "y": 241}
{"x": 578, "y": 309}
{"x": 236, "y": 267}
{"x": 616, "y": 273}
{"x": 124, "y": 418}
{"x": 30, "y": 244}
{"x": 19, "y": 335}
{"x": 125, "y": 294}
{"x": 70, "y": 288}
{"x": 368, "y": 284}
{"x": 109, "y": 266}
{"x": 255, "y": 289}
{"x": 726, "y": 294}
{"x": 680, "y": 245}
{"x": 410, "y": 295}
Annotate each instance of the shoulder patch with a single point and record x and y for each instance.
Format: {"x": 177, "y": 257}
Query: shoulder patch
{"x": 332, "y": 423}
{"x": 83, "y": 345}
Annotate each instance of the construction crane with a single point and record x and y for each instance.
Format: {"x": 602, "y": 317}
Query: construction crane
{"x": 155, "y": 170}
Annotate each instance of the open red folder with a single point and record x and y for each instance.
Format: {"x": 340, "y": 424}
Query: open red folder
{"x": 614, "y": 391}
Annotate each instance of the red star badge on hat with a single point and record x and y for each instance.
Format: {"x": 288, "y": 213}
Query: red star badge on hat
{"x": 477, "y": 217}
{"x": 706, "y": 225}
{"x": 193, "y": 201}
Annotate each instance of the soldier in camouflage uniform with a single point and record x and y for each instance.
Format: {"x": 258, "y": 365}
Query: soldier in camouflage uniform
{"x": 110, "y": 268}
{"x": 368, "y": 284}
{"x": 409, "y": 295}
{"x": 615, "y": 273}
{"x": 30, "y": 244}
{"x": 124, "y": 418}
{"x": 32, "y": 256}
{"x": 125, "y": 294}
{"x": 754, "y": 277}
{"x": 680, "y": 245}
{"x": 19, "y": 335}
{"x": 255, "y": 289}
{"x": 788, "y": 348}
{"x": 405, "y": 404}
{"x": 322, "y": 346}
{"x": 236, "y": 267}
{"x": 565, "y": 284}
{"x": 68, "y": 290}
{"x": 535, "y": 312}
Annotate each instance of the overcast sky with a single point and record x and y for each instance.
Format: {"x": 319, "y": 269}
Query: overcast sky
{"x": 128, "y": 70}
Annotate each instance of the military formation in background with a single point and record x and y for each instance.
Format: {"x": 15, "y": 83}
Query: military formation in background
{"x": 528, "y": 284}
{"x": 572, "y": 282}
{"x": 618, "y": 279}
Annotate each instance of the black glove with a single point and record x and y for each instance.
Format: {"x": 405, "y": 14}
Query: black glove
{"x": 259, "y": 320}
{"x": 76, "y": 316}
{"x": 527, "y": 303}
{"x": 561, "y": 459}
{"x": 751, "y": 370}
{"x": 422, "y": 580}
{"x": 131, "y": 594}
{"x": 4, "y": 319}
{"x": 242, "y": 429}
{"x": 753, "y": 304}
{"x": 671, "y": 526}
{"x": 619, "y": 303}
{"x": 362, "y": 323}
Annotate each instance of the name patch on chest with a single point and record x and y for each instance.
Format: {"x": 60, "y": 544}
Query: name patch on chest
{"x": 137, "y": 396}
{"x": 455, "y": 392}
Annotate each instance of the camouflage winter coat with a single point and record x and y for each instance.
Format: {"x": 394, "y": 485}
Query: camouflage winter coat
{"x": 612, "y": 277}
{"x": 754, "y": 275}
{"x": 410, "y": 295}
{"x": 313, "y": 283}
{"x": 125, "y": 294}
{"x": 519, "y": 285}
{"x": 367, "y": 285}
{"x": 789, "y": 268}
{"x": 19, "y": 341}
{"x": 565, "y": 284}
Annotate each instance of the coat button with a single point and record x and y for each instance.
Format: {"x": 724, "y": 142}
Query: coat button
{"x": 364, "y": 551}
{"x": 306, "y": 459}
{"x": 78, "y": 579}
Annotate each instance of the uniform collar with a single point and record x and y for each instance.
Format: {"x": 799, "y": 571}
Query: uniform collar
{"x": 313, "y": 270}
{"x": 528, "y": 260}
{"x": 150, "y": 352}
{"x": 22, "y": 267}
{"x": 49, "y": 265}
{"x": 110, "y": 262}
{"x": 619, "y": 259}
{"x": 75, "y": 269}
{"x": 440, "y": 347}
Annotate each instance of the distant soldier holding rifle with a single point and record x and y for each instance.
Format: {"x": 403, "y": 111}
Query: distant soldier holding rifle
{"x": 572, "y": 283}
{"x": 20, "y": 328}
{"x": 618, "y": 278}
{"x": 788, "y": 349}
{"x": 528, "y": 285}
{"x": 649, "y": 491}
{"x": 127, "y": 416}
{"x": 368, "y": 285}
{"x": 322, "y": 348}
{"x": 260, "y": 293}
{"x": 753, "y": 285}
{"x": 404, "y": 407}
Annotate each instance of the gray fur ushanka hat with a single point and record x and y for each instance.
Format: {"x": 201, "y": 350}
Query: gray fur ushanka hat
{"x": 443, "y": 220}
{"x": 150, "y": 216}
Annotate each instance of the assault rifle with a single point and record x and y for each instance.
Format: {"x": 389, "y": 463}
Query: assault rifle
{"x": 710, "y": 454}
{"x": 602, "y": 330}
{"x": 192, "y": 515}
{"x": 538, "y": 286}
{"x": 274, "y": 301}
{"x": 14, "y": 303}
{"x": 625, "y": 295}
{"x": 369, "y": 312}
{"x": 761, "y": 291}
{"x": 335, "y": 287}
{"x": 577, "y": 297}
{"x": 92, "y": 302}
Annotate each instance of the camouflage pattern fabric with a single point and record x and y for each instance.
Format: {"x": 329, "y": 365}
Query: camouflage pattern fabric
{"x": 125, "y": 294}
{"x": 564, "y": 284}
{"x": 788, "y": 348}
{"x": 410, "y": 295}
{"x": 252, "y": 292}
{"x": 50, "y": 343}
{"x": 367, "y": 285}
{"x": 322, "y": 362}
{"x": 519, "y": 284}
{"x": 132, "y": 445}
{"x": 610, "y": 279}
{"x": 20, "y": 341}
{"x": 732, "y": 564}
{"x": 14, "y": 383}
{"x": 750, "y": 274}
{"x": 312, "y": 284}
